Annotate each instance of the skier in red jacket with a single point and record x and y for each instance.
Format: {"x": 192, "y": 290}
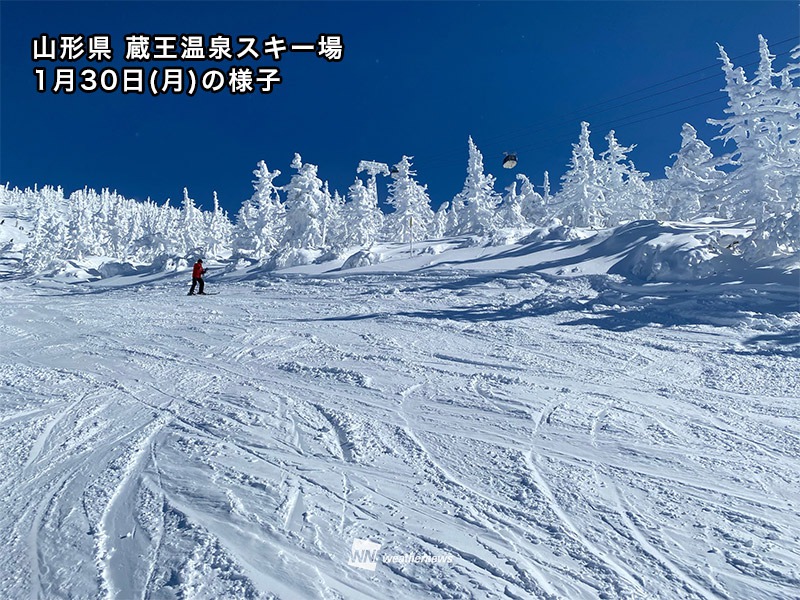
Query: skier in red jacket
{"x": 197, "y": 277}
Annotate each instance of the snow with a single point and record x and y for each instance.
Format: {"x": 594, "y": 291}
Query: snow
{"x": 594, "y": 434}
{"x": 523, "y": 408}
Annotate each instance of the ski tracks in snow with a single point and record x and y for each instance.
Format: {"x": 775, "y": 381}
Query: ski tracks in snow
{"x": 238, "y": 451}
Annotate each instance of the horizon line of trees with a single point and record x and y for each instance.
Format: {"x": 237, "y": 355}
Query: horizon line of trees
{"x": 296, "y": 222}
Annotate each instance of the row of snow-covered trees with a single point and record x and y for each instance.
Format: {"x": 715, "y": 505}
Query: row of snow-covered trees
{"x": 106, "y": 224}
{"x": 757, "y": 180}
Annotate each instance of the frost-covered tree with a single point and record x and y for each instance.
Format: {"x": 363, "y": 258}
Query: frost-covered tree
{"x": 362, "y": 218}
{"x": 785, "y": 118}
{"x": 582, "y": 201}
{"x": 110, "y": 226}
{"x": 260, "y": 222}
{"x": 330, "y": 212}
{"x": 219, "y": 232}
{"x": 245, "y": 242}
{"x": 546, "y": 188}
{"x": 474, "y": 208}
{"x": 441, "y": 218}
{"x": 304, "y": 206}
{"x": 82, "y": 230}
{"x": 532, "y": 203}
{"x": 776, "y": 236}
{"x": 627, "y": 195}
{"x": 338, "y": 235}
{"x": 192, "y": 226}
{"x": 163, "y": 232}
{"x": 412, "y": 217}
{"x": 47, "y": 244}
{"x": 48, "y": 239}
{"x": 157, "y": 236}
{"x": 693, "y": 181}
{"x": 113, "y": 223}
{"x": 509, "y": 213}
{"x": 763, "y": 121}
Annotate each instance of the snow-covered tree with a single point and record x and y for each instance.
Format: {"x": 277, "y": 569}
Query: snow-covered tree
{"x": 260, "y": 222}
{"x": 192, "y": 226}
{"x": 763, "y": 121}
{"x": 531, "y": 202}
{"x": 162, "y": 237}
{"x": 778, "y": 235}
{"x": 627, "y": 195}
{"x": 441, "y": 218}
{"x": 82, "y": 229}
{"x": 156, "y": 237}
{"x": 362, "y": 218}
{"x": 47, "y": 243}
{"x": 412, "y": 217}
{"x": 693, "y": 181}
{"x": 509, "y": 214}
{"x": 330, "y": 209}
{"x": 546, "y": 188}
{"x": 582, "y": 201}
{"x": 219, "y": 232}
{"x": 48, "y": 239}
{"x": 474, "y": 208}
{"x": 304, "y": 207}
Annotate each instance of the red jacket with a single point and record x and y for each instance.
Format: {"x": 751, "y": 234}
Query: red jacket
{"x": 198, "y": 271}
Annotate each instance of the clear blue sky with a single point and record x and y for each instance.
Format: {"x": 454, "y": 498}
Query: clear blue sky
{"x": 417, "y": 78}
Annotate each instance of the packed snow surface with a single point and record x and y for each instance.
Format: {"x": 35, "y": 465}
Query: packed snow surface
{"x": 553, "y": 437}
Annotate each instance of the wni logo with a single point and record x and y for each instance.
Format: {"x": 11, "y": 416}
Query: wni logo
{"x": 364, "y": 554}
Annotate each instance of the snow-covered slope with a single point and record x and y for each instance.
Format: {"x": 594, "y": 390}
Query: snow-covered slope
{"x": 548, "y": 435}
{"x": 641, "y": 252}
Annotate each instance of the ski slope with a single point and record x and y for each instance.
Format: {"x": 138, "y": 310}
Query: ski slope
{"x": 555, "y": 437}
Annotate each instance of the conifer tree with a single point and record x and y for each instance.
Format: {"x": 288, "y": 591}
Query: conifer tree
{"x": 412, "y": 217}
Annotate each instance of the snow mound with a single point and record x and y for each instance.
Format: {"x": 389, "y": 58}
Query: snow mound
{"x": 294, "y": 257}
{"x": 362, "y": 258}
{"x": 662, "y": 251}
{"x": 112, "y": 268}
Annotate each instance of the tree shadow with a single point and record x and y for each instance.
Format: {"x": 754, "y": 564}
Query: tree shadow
{"x": 624, "y": 240}
{"x": 617, "y": 305}
{"x": 786, "y": 343}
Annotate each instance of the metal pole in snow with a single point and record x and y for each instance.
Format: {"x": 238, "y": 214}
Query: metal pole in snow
{"x": 411, "y": 235}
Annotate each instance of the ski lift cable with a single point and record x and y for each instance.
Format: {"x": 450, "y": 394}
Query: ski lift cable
{"x": 553, "y": 142}
{"x": 624, "y": 123}
{"x": 621, "y": 121}
{"x": 560, "y": 140}
{"x": 643, "y": 112}
{"x": 663, "y": 106}
{"x": 714, "y": 66}
{"x": 443, "y": 159}
{"x": 503, "y": 138}
{"x": 570, "y": 135}
{"x": 673, "y": 88}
